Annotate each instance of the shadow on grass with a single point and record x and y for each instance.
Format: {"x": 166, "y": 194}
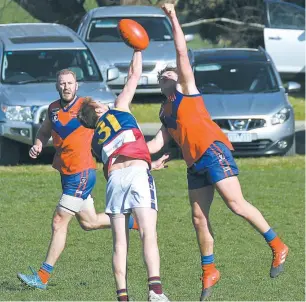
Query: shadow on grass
{"x": 43, "y": 159}
{"x": 300, "y": 142}
{"x": 11, "y": 287}
{"x": 148, "y": 99}
{"x": 15, "y": 287}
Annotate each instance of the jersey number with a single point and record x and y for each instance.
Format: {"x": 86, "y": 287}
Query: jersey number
{"x": 102, "y": 128}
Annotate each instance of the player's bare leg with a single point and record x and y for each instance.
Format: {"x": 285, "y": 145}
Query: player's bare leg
{"x": 200, "y": 201}
{"x": 89, "y": 219}
{"x": 230, "y": 191}
{"x": 147, "y": 219}
{"x": 60, "y": 224}
{"x": 119, "y": 223}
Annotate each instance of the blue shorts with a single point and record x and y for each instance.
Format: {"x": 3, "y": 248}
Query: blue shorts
{"x": 80, "y": 184}
{"x": 217, "y": 163}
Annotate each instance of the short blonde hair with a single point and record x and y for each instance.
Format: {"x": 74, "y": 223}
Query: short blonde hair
{"x": 64, "y": 72}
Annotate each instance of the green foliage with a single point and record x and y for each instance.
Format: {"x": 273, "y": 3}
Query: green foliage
{"x": 83, "y": 273}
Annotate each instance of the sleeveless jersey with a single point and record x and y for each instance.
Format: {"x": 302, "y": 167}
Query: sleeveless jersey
{"x": 189, "y": 123}
{"x": 117, "y": 133}
{"x": 71, "y": 140}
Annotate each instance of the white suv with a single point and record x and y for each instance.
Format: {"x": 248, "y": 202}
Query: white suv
{"x": 284, "y": 36}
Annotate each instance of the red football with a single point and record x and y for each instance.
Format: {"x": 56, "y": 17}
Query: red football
{"x": 133, "y": 34}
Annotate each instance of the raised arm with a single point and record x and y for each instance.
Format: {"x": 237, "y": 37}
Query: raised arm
{"x": 126, "y": 96}
{"x": 184, "y": 69}
{"x": 160, "y": 139}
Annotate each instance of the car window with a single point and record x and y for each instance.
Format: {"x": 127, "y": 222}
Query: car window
{"x": 105, "y": 29}
{"x": 42, "y": 65}
{"x": 235, "y": 77}
{"x": 286, "y": 16}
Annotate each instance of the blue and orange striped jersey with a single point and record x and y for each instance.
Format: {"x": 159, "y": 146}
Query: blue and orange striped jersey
{"x": 189, "y": 123}
{"x": 117, "y": 133}
{"x": 71, "y": 140}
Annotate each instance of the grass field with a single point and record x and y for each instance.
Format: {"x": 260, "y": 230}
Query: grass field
{"x": 298, "y": 104}
{"x": 83, "y": 273}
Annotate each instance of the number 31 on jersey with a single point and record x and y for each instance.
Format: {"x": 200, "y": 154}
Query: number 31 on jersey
{"x": 102, "y": 128}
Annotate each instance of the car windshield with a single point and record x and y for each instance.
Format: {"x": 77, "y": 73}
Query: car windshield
{"x": 235, "y": 77}
{"x": 31, "y": 66}
{"x": 105, "y": 29}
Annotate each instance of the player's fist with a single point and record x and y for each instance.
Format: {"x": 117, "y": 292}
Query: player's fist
{"x": 35, "y": 151}
{"x": 169, "y": 9}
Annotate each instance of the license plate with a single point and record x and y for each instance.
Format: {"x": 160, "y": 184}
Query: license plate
{"x": 142, "y": 80}
{"x": 238, "y": 137}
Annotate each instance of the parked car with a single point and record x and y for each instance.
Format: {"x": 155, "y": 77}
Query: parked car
{"x": 30, "y": 56}
{"x": 244, "y": 94}
{"x": 284, "y": 37}
{"x": 98, "y": 29}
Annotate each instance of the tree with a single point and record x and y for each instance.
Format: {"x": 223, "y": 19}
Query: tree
{"x": 246, "y": 11}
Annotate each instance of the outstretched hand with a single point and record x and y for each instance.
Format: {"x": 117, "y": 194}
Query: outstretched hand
{"x": 169, "y": 9}
{"x": 160, "y": 163}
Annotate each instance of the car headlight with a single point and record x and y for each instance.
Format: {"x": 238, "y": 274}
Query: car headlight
{"x": 281, "y": 116}
{"x": 18, "y": 113}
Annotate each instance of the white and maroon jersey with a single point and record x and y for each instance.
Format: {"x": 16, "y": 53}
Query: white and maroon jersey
{"x": 117, "y": 133}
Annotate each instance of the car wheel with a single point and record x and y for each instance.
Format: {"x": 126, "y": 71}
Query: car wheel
{"x": 292, "y": 150}
{"x": 9, "y": 152}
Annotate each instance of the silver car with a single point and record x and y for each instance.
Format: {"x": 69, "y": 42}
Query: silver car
{"x": 244, "y": 94}
{"x": 98, "y": 29}
{"x": 30, "y": 56}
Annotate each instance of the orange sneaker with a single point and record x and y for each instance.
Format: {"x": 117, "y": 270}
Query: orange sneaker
{"x": 209, "y": 279}
{"x": 279, "y": 257}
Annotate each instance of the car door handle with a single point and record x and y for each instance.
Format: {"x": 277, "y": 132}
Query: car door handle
{"x": 275, "y": 38}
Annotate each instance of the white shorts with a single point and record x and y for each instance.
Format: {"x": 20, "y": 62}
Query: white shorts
{"x": 73, "y": 205}
{"x": 130, "y": 188}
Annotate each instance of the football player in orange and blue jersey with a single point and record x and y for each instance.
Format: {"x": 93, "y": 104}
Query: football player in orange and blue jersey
{"x": 120, "y": 144}
{"x": 207, "y": 153}
{"x": 74, "y": 161}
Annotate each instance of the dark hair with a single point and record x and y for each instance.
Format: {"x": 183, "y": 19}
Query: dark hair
{"x": 87, "y": 114}
{"x": 167, "y": 68}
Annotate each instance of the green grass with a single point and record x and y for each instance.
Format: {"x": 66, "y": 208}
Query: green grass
{"x": 198, "y": 43}
{"x": 298, "y": 104}
{"x": 146, "y": 113}
{"x": 10, "y": 12}
{"x": 274, "y": 185}
{"x": 13, "y": 13}
{"x": 90, "y": 4}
